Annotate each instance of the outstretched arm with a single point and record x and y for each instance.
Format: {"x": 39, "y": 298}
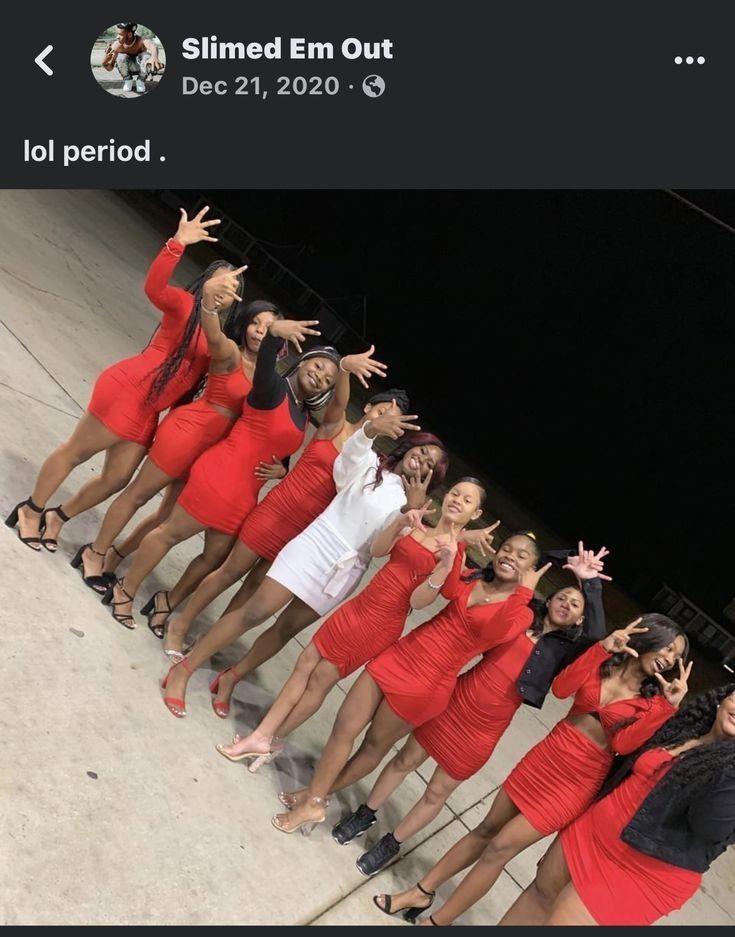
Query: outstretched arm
{"x": 362, "y": 366}
{"x": 220, "y": 290}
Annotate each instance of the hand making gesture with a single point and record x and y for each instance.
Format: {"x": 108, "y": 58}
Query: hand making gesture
{"x": 363, "y": 366}
{"x": 392, "y": 423}
{"x": 675, "y": 690}
{"x": 195, "y": 230}
{"x": 414, "y": 519}
{"x": 480, "y": 538}
{"x": 446, "y": 549}
{"x": 617, "y": 641}
{"x": 587, "y": 564}
{"x": 293, "y": 331}
{"x": 530, "y": 578}
{"x": 221, "y": 289}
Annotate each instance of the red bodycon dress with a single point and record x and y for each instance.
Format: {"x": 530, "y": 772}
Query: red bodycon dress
{"x": 222, "y": 487}
{"x": 368, "y": 624}
{"x": 418, "y": 673}
{"x": 119, "y": 394}
{"x": 617, "y": 883}
{"x": 187, "y": 431}
{"x": 294, "y": 503}
{"x": 464, "y": 736}
{"x": 558, "y": 778}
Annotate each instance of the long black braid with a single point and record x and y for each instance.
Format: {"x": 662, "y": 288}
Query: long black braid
{"x": 693, "y": 770}
{"x": 166, "y": 370}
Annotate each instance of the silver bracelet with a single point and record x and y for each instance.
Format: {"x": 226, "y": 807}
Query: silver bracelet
{"x": 343, "y": 370}
{"x": 431, "y": 585}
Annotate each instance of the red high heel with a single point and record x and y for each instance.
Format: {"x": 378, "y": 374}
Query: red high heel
{"x": 173, "y": 701}
{"x": 221, "y": 709}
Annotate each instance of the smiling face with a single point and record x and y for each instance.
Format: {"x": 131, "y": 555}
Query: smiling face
{"x": 565, "y": 609}
{"x": 316, "y": 375}
{"x": 256, "y": 330}
{"x": 421, "y": 459}
{"x": 462, "y": 503}
{"x": 724, "y": 726}
{"x": 663, "y": 659}
{"x": 514, "y": 556}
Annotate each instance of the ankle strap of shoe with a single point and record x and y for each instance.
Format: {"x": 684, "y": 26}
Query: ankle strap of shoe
{"x": 33, "y": 507}
{"x": 429, "y": 894}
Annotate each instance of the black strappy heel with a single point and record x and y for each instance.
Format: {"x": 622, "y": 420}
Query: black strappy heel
{"x": 409, "y": 914}
{"x": 127, "y": 621}
{"x": 97, "y": 584}
{"x": 48, "y": 542}
{"x": 150, "y": 611}
{"x": 12, "y": 520}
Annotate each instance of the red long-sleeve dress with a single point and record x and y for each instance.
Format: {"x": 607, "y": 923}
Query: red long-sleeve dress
{"x": 617, "y": 883}
{"x": 418, "y": 673}
{"x": 293, "y": 504}
{"x": 368, "y": 624}
{"x": 558, "y": 778}
{"x": 120, "y": 394}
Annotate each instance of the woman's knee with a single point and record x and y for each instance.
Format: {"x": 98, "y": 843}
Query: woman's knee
{"x": 499, "y": 850}
{"x": 407, "y": 760}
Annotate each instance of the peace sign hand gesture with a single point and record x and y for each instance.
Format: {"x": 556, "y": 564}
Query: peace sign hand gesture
{"x": 617, "y": 641}
{"x": 480, "y": 538}
{"x": 587, "y": 564}
{"x": 446, "y": 549}
{"x": 415, "y": 518}
{"x": 363, "y": 366}
{"x": 195, "y": 230}
{"x": 530, "y": 578}
{"x": 392, "y": 423}
{"x": 417, "y": 490}
{"x": 221, "y": 288}
{"x": 675, "y": 690}
{"x": 293, "y": 331}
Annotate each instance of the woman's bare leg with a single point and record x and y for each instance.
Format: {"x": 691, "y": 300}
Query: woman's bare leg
{"x": 569, "y": 910}
{"x": 512, "y": 839}
{"x": 357, "y": 710}
{"x": 534, "y": 904}
{"x": 89, "y": 437}
{"x": 217, "y": 546}
{"x": 131, "y": 543}
{"x": 292, "y": 690}
{"x": 292, "y": 620}
{"x": 428, "y": 807}
{"x": 385, "y": 730}
{"x": 267, "y": 600}
{"x": 147, "y": 483}
{"x": 464, "y": 853}
{"x": 408, "y": 759}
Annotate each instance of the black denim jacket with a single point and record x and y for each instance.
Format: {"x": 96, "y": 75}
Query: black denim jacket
{"x": 695, "y": 834}
{"x": 555, "y": 650}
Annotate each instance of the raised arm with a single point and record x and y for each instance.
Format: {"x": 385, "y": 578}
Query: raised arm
{"x": 357, "y": 453}
{"x": 363, "y": 367}
{"x": 573, "y": 677}
{"x": 220, "y": 290}
{"x": 587, "y": 566}
{"x": 445, "y": 578}
{"x": 269, "y": 387}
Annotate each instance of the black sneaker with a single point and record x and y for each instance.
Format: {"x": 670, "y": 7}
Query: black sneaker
{"x": 379, "y": 856}
{"x": 354, "y": 825}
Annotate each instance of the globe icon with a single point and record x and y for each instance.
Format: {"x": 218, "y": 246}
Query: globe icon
{"x": 373, "y": 86}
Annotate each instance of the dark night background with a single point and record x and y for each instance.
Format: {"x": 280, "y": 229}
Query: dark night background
{"x": 576, "y": 345}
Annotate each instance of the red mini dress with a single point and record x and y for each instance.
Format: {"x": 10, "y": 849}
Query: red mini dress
{"x": 418, "y": 673}
{"x": 485, "y": 699}
{"x": 559, "y": 777}
{"x": 185, "y": 433}
{"x": 294, "y": 503}
{"x": 119, "y": 396}
{"x": 617, "y": 883}
{"x": 368, "y": 624}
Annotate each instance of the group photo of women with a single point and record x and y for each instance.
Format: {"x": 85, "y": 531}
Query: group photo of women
{"x": 375, "y": 580}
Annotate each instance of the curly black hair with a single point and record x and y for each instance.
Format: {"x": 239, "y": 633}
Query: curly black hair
{"x": 693, "y": 770}
{"x": 661, "y": 632}
{"x": 166, "y": 370}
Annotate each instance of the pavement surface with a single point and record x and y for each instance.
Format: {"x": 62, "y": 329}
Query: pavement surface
{"x": 111, "y": 810}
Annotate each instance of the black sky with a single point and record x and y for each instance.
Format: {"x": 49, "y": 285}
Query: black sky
{"x": 577, "y": 345}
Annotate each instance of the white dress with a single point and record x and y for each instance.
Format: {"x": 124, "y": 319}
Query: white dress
{"x": 327, "y": 560}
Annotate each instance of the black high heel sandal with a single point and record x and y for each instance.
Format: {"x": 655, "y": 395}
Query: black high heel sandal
{"x": 150, "y": 611}
{"x": 127, "y": 621}
{"x": 12, "y": 520}
{"x": 409, "y": 914}
{"x": 97, "y": 584}
{"x": 48, "y": 542}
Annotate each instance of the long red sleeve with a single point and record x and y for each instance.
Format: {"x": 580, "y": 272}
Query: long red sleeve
{"x": 650, "y": 715}
{"x": 174, "y": 303}
{"x": 514, "y": 617}
{"x": 578, "y": 672}
{"x": 453, "y": 583}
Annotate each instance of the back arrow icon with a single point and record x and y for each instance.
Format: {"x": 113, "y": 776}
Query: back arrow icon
{"x": 39, "y": 60}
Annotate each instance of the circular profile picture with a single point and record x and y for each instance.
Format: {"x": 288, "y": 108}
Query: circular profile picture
{"x": 128, "y": 60}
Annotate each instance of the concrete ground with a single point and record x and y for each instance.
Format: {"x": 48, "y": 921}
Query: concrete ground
{"x": 111, "y": 810}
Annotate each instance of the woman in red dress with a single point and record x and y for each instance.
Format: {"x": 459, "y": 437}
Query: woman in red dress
{"x": 280, "y": 516}
{"x": 364, "y": 626}
{"x": 222, "y": 486}
{"x": 189, "y": 430}
{"x": 413, "y": 680}
{"x": 619, "y": 702}
{"x": 127, "y": 398}
{"x": 464, "y": 736}
{"x": 662, "y": 819}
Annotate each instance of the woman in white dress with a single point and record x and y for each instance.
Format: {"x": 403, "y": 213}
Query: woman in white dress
{"x": 321, "y": 567}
